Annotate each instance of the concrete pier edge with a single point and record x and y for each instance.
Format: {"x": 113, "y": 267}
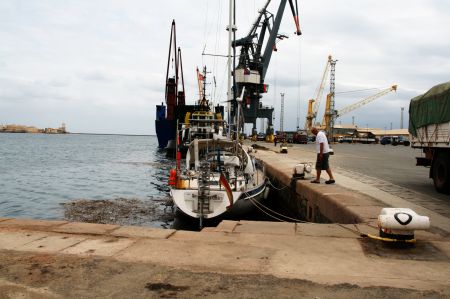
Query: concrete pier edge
{"x": 328, "y": 252}
{"x": 321, "y": 253}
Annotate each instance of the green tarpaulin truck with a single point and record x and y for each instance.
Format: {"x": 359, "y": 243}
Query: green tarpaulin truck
{"x": 429, "y": 129}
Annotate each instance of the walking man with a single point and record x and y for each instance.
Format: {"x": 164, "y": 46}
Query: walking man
{"x": 322, "y": 149}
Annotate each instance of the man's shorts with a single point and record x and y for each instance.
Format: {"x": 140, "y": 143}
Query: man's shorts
{"x": 323, "y": 165}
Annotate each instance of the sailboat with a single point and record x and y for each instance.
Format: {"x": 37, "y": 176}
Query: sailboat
{"x": 220, "y": 178}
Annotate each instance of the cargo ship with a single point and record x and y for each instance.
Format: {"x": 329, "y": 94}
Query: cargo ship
{"x": 173, "y": 112}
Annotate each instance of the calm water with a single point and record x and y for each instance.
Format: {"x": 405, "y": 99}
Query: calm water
{"x": 39, "y": 172}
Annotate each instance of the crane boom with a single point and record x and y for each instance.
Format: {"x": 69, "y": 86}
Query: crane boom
{"x": 365, "y": 101}
{"x": 256, "y": 50}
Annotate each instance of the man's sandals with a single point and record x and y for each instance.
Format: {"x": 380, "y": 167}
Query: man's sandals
{"x": 326, "y": 182}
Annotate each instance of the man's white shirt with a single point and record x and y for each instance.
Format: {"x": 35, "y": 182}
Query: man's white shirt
{"x": 322, "y": 138}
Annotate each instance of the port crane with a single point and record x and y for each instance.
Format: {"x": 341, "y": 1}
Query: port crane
{"x": 175, "y": 96}
{"x": 331, "y": 114}
{"x": 253, "y": 63}
{"x": 313, "y": 104}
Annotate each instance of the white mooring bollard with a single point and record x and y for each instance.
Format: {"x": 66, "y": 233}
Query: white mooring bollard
{"x": 400, "y": 223}
{"x": 300, "y": 170}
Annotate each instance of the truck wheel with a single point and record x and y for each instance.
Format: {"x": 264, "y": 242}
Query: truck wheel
{"x": 441, "y": 173}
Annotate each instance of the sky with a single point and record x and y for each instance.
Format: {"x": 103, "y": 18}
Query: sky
{"x": 99, "y": 66}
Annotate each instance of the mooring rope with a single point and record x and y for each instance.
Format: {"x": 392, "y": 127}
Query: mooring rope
{"x": 278, "y": 189}
{"x": 253, "y": 202}
{"x": 356, "y": 230}
{"x": 256, "y": 204}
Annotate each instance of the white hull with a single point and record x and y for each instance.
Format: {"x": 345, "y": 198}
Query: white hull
{"x": 187, "y": 201}
{"x": 212, "y": 168}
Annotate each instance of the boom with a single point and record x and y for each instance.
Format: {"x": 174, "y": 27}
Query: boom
{"x": 365, "y": 101}
{"x": 254, "y": 59}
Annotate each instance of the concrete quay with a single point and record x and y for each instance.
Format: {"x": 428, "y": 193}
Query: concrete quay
{"x": 328, "y": 254}
{"x": 329, "y": 259}
{"x": 348, "y": 201}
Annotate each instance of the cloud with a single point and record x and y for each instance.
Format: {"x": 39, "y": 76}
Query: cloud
{"x": 97, "y": 63}
{"x": 95, "y": 75}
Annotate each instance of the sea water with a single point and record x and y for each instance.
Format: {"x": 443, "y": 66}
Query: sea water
{"x": 40, "y": 172}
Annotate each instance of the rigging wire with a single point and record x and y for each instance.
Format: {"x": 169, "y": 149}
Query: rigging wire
{"x": 275, "y": 92}
{"x": 216, "y": 46}
{"x": 205, "y": 29}
{"x": 299, "y": 82}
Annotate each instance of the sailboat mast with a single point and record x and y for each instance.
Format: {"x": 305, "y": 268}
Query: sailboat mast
{"x": 230, "y": 95}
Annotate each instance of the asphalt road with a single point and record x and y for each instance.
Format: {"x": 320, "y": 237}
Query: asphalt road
{"x": 393, "y": 165}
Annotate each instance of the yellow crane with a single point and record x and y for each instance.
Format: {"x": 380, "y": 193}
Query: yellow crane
{"x": 337, "y": 113}
{"x": 313, "y": 104}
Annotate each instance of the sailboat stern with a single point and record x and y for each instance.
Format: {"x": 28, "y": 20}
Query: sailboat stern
{"x": 216, "y": 204}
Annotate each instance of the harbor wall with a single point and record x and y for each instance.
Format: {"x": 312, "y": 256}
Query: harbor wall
{"x": 307, "y": 202}
{"x": 319, "y": 203}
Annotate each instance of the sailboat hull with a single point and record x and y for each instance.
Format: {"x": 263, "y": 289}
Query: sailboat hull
{"x": 186, "y": 200}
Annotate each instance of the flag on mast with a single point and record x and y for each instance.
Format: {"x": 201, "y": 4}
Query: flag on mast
{"x": 224, "y": 183}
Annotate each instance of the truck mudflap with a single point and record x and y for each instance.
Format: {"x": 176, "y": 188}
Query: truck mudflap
{"x": 422, "y": 161}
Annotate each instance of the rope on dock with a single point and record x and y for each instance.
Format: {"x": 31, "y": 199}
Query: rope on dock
{"x": 356, "y": 231}
{"x": 260, "y": 206}
{"x": 278, "y": 189}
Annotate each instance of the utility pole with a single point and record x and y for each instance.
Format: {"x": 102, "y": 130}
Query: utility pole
{"x": 353, "y": 120}
{"x": 391, "y": 126}
{"x": 401, "y": 118}
{"x": 282, "y": 113}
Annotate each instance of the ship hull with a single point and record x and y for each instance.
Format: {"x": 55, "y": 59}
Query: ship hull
{"x": 165, "y": 131}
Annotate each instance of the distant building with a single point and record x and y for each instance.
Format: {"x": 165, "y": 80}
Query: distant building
{"x": 20, "y": 129}
{"x": 396, "y": 132}
{"x": 355, "y": 131}
{"x": 344, "y": 130}
{"x": 30, "y": 129}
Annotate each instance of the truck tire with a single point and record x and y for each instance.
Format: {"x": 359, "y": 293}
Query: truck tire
{"x": 441, "y": 173}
